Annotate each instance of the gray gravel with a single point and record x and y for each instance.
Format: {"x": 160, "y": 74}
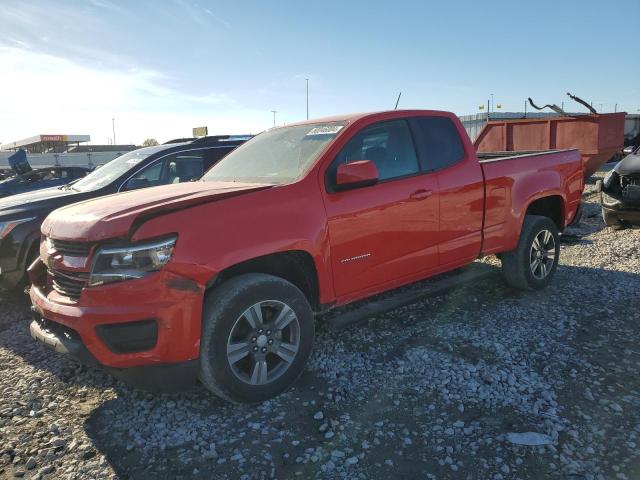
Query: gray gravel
{"x": 483, "y": 382}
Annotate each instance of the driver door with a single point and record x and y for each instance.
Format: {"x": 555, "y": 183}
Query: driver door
{"x": 388, "y": 232}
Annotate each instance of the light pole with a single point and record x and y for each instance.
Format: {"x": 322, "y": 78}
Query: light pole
{"x": 113, "y": 126}
{"x": 274, "y": 116}
{"x": 492, "y": 102}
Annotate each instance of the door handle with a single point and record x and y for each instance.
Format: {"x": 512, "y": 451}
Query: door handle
{"x": 421, "y": 194}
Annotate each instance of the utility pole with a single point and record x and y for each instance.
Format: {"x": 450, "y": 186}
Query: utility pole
{"x": 274, "y": 116}
{"x": 113, "y": 126}
{"x": 307, "y": 98}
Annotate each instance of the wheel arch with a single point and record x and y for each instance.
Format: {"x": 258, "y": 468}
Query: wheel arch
{"x": 295, "y": 266}
{"x": 550, "y": 206}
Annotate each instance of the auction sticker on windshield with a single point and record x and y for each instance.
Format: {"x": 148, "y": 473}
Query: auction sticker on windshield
{"x": 325, "y": 130}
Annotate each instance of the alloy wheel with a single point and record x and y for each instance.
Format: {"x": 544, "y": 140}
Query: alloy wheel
{"x": 263, "y": 342}
{"x": 542, "y": 255}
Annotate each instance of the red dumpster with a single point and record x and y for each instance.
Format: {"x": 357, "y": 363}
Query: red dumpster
{"x": 598, "y": 137}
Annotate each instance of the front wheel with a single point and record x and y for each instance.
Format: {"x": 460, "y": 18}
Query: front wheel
{"x": 534, "y": 261}
{"x": 257, "y": 334}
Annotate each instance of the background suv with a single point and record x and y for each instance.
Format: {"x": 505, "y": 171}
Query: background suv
{"x": 178, "y": 161}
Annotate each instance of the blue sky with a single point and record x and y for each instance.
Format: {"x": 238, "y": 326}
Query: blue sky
{"x": 162, "y": 67}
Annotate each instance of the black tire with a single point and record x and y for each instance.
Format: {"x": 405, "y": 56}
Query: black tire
{"x": 224, "y": 308}
{"x": 611, "y": 220}
{"x": 25, "y": 282}
{"x": 517, "y": 264}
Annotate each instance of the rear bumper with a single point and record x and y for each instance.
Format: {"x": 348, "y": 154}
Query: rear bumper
{"x": 140, "y": 330}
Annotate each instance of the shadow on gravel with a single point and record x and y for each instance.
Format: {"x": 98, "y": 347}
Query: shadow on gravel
{"x": 196, "y": 435}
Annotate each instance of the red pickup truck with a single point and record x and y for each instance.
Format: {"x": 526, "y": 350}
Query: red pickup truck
{"x": 219, "y": 280}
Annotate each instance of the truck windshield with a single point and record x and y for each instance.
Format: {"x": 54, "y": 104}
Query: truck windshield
{"x": 277, "y": 156}
{"x": 103, "y": 176}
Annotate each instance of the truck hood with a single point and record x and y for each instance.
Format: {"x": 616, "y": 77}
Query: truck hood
{"x": 114, "y": 216}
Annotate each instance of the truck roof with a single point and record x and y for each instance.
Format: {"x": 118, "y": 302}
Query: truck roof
{"x": 352, "y": 117}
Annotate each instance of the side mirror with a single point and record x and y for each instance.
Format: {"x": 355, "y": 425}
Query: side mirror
{"x": 136, "y": 183}
{"x": 362, "y": 173}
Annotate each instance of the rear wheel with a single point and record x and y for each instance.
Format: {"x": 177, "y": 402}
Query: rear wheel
{"x": 257, "y": 335}
{"x": 534, "y": 261}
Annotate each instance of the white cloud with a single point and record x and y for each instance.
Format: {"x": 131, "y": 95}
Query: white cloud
{"x": 50, "y": 94}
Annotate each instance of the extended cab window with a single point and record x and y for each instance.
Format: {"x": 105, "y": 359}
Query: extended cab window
{"x": 438, "y": 142}
{"x": 387, "y": 144}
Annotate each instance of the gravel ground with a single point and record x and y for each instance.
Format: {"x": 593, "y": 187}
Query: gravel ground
{"x": 482, "y": 382}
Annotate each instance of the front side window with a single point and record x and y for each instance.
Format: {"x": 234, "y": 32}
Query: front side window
{"x": 438, "y": 142}
{"x": 387, "y": 144}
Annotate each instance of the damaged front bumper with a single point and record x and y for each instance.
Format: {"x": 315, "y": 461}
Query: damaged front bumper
{"x": 615, "y": 207}
{"x": 145, "y": 331}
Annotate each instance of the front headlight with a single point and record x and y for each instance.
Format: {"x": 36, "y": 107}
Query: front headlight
{"x": 125, "y": 263}
{"x": 9, "y": 225}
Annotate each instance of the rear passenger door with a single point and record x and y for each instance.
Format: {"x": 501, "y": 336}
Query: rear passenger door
{"x": 385, "y": 233}
{"x": 460, "y": 186}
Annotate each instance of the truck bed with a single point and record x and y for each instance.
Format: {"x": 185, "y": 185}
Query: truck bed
{"x": 484, "y": 157}
{"x": 512, "y": 182}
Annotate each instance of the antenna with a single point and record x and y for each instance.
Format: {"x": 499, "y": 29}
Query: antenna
{"x": 398, "y": 100}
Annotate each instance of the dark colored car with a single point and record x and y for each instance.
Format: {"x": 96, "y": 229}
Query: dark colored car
{"x": 620, "y": 192}
{"x": 41, "y": 178}
{"x": 180, "y": 161}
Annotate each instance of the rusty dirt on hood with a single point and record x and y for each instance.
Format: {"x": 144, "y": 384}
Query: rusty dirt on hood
{"x": 114, "y": 216}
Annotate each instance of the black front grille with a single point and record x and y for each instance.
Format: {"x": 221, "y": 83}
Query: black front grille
{"x": 626, "y": 180}
{"x": 73, "y": 249}
{"x": 68, "y": 284}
